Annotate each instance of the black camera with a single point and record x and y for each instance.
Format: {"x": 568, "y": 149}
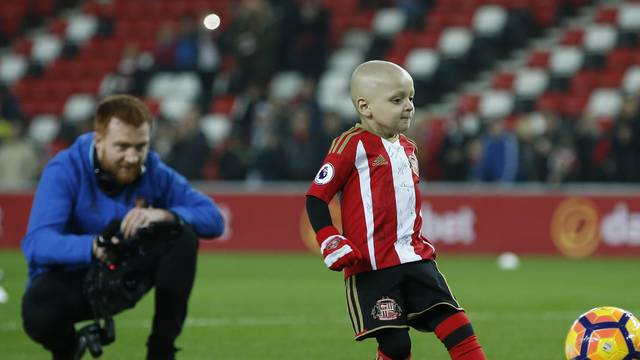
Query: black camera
{"x": 122, "y": 280}
{"x": 94, "y": 336}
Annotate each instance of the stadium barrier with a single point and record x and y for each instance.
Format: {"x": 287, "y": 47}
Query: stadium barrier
{"x": 575, "y": 223}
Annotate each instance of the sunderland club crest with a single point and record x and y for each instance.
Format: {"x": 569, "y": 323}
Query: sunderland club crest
{"x": 386, "y": 309}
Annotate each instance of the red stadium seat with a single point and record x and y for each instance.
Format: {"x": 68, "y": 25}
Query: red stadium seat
{"x": 574, "y": 105}
{"x": 584, "y": 81}
{"x": 468, "y": 103}
{"x": 620, "y": 58}
{"x": 503, "y": 80}
{"x": 607, "y": 15}
{"x": 572, "y": 37}
{"x": 539, "y": 59}
{"x": 611, "y": 78}
{"x": 549, "y": 102}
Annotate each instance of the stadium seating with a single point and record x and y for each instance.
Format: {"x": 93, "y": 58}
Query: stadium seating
{"x": 587, "y": 71}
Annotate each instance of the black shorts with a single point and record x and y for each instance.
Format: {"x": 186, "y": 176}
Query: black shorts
{"x": 398, "y": 297}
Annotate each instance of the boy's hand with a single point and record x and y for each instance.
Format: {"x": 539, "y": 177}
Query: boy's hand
{"x": 337, "y": 250}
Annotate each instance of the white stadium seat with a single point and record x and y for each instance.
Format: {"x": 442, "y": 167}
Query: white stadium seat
{"x": 357, "y": 39}
{"x": 43, "y": 128}
{"x": 174, "y": 108}
{"x": 285, "y": 85}
{"x": 389, "y": 21}
{"x": 599, "y": 38}
{"x": 455, "y": 42}
{"x": 495, "y": 104}
{"x": 81, "y": 27}
{"x": 489, "y": 20}
{"x": 530, "y": 83}
{"x": 12, "y": 67}
{"x": 46, "y": 48}
{"x": 79, "y": 107}
{"x": 629, "y": 17}
{"x": 184, "y": 86}
{"x": 605, "y": 103}
{"x": 332, "y": 85}
{"x": 160, "y": 85}
{"x": 565, "y": 60}
{"x": 631, "y": 80}
{"x": 346, "y": 59}
{"x": 422, "y": 62}
{"x": 215, "y": 127}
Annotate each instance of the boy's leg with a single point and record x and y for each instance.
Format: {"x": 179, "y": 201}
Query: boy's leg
{"x": 376, "y": 307}
{"x": 393, "y": 344}
{"x": 456, "y": 333}
{"x": 432, "y": 307}
{"x": 51, "y": 306}
{"x": 174, "y": 279}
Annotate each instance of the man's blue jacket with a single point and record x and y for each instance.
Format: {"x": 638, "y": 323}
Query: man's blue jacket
{"x": 69, "y": 209}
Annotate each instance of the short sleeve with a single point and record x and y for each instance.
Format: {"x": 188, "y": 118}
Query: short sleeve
{"x": 332, "y": 176}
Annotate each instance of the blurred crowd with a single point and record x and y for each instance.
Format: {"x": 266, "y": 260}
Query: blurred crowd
{"x": 275, "y": 140}
{"x": 542, "y": 147}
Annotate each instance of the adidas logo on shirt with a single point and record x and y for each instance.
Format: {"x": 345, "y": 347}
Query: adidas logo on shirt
{"x": 379, "y": 161}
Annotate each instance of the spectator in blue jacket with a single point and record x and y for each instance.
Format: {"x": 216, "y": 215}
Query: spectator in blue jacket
{"x": 106, "y": 175}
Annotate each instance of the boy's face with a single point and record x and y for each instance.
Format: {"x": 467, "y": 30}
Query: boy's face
{"x": 390, "y": 107}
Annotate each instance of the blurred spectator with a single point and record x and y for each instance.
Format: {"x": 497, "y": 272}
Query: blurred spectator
{"x": 453, "y": 155}
{"x": 253, "y": 40}
{"x": 307, "y": 97}
{"x": 209, "y": 62}
{"x": 532, "y": 148}
{"x": 235, "y": 160}
{"x": 499, "y": 159}
{"x": 302, "y": 147}
{"x": 9, "y": 109}
{"x": 562, "y": 161}
{"x": 626, "y": 157}
{"x": 19, "y": 160}
{"x": 190, "y": 148}
{"x": 304, "y": 41}
{"x": 593, "y": 150}
{"x": 186, "y": 44}
{"x": 244, "y": 114}
{"x": 123, "y": 80}
{"x": 165, "y": 48}
{"x": 270, "y": 161}
{"x": 332, "y": 127}
{"x": 415, "y": 10}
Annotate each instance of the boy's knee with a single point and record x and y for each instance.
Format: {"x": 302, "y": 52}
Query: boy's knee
{"x": 394, "y": 343}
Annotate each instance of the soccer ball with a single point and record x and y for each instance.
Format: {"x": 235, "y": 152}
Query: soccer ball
{"x": 604, "y": 333}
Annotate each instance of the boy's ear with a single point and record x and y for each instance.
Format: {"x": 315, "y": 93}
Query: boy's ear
{"x": 362, "y": 105}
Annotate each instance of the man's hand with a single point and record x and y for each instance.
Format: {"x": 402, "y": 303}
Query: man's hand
{"x": 139, "y": 217}
{"x": 337, "y": 250}
{"x": 107, "y": 236}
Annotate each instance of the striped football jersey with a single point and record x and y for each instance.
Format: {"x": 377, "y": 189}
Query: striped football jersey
{"x": 377, "y": 184}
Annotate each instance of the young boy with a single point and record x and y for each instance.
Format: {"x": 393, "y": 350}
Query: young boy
{"x": 392, "y": 281}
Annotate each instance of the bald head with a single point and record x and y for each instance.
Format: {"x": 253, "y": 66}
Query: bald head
{"x": 371, "y": 77}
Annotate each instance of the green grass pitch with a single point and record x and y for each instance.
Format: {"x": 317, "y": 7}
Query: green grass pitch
{"x": 288, "y": 306}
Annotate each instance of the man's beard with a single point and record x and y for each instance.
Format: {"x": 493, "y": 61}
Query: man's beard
{"x": 123, "y": 174}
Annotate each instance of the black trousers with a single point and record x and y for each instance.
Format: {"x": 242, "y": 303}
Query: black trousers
{"x": 55, "y": 302}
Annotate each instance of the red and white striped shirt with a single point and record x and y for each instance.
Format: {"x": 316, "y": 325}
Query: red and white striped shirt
{"x": 379, "y": 198}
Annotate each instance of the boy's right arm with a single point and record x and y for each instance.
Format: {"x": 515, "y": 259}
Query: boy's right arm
{"x": 337, "y": 250}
